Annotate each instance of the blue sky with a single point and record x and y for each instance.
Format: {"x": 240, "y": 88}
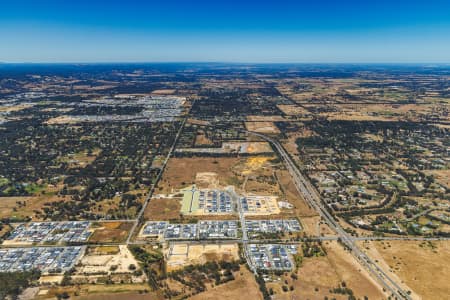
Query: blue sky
{"x": 225, "y": 31}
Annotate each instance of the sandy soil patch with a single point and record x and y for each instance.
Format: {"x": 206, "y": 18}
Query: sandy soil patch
{"x": 51, "y": 279}
{"x": 179, "y": 255}
{"x": 95, "y": 262}
{"x": 258, "y": 147}
{"x": 207, "y": 179}
{"x": 253, "y": 164}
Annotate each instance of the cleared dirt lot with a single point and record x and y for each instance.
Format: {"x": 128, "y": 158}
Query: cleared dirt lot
{"x": 421, "y": 266}
{"x": 96, "y": 262}
{"x": 181, "y": 255}
{"x": 243, "y": 287}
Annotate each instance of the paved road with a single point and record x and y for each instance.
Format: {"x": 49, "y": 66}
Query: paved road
{"x": 313, "y": 199}
{"x": 244, "y": 239}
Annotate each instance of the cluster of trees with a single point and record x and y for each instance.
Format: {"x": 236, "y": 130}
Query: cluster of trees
{"x": 235, "y": 102}
{"x": 344, "y": 290}
{"x": 13, "y": 283}
{"x": 262, "y": 287}
{"x": 30, "y": 152}
{"x": 195, "y": 276}
{"x": 311, "y": 249}
{"x": 33, "y": 155}
{"x": 150, "y": 263}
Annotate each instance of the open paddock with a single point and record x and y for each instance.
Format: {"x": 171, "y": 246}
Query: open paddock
{"x": 110, "y": 232}
{"x": 179, "y": 255}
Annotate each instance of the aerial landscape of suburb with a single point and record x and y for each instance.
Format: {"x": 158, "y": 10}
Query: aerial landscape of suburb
{"x": 209, "y": 181}
{"x": 225, "y": 150}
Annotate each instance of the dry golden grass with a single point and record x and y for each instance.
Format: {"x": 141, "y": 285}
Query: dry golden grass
{"x": 352, "y": 273}
{"x": 14, "y": 107}
{"x": 106, "y": 250}
{"x": 9, "y": 209}
{"x": 181, "y": 172}
{"x": 202, "y": 139}
{"x": 441, "y": 176}
{"x": 293, "y": 110}
{"x": 163, "y": 209}
{"x": 424, "y": 269}
{"x": 61, "y": 120}
{"x": 243, "y": 287}
{"x": 111, "y": 232}
{"x": 262, "y": 127}
{"x": 292, "y": 196}
{"x": 101, "y": 291}
{"x": 197, "y": 122}
{"x": 318, "y": 275}
{"x": 274, "y": 118}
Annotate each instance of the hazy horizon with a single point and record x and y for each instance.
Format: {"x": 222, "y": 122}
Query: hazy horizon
{"x": 51, "y": 31}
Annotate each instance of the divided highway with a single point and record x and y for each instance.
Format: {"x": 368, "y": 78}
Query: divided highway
{"x": 312, "y": 197}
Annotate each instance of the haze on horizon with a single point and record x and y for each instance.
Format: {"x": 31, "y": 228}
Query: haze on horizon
{"x": 226, "y": 31}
